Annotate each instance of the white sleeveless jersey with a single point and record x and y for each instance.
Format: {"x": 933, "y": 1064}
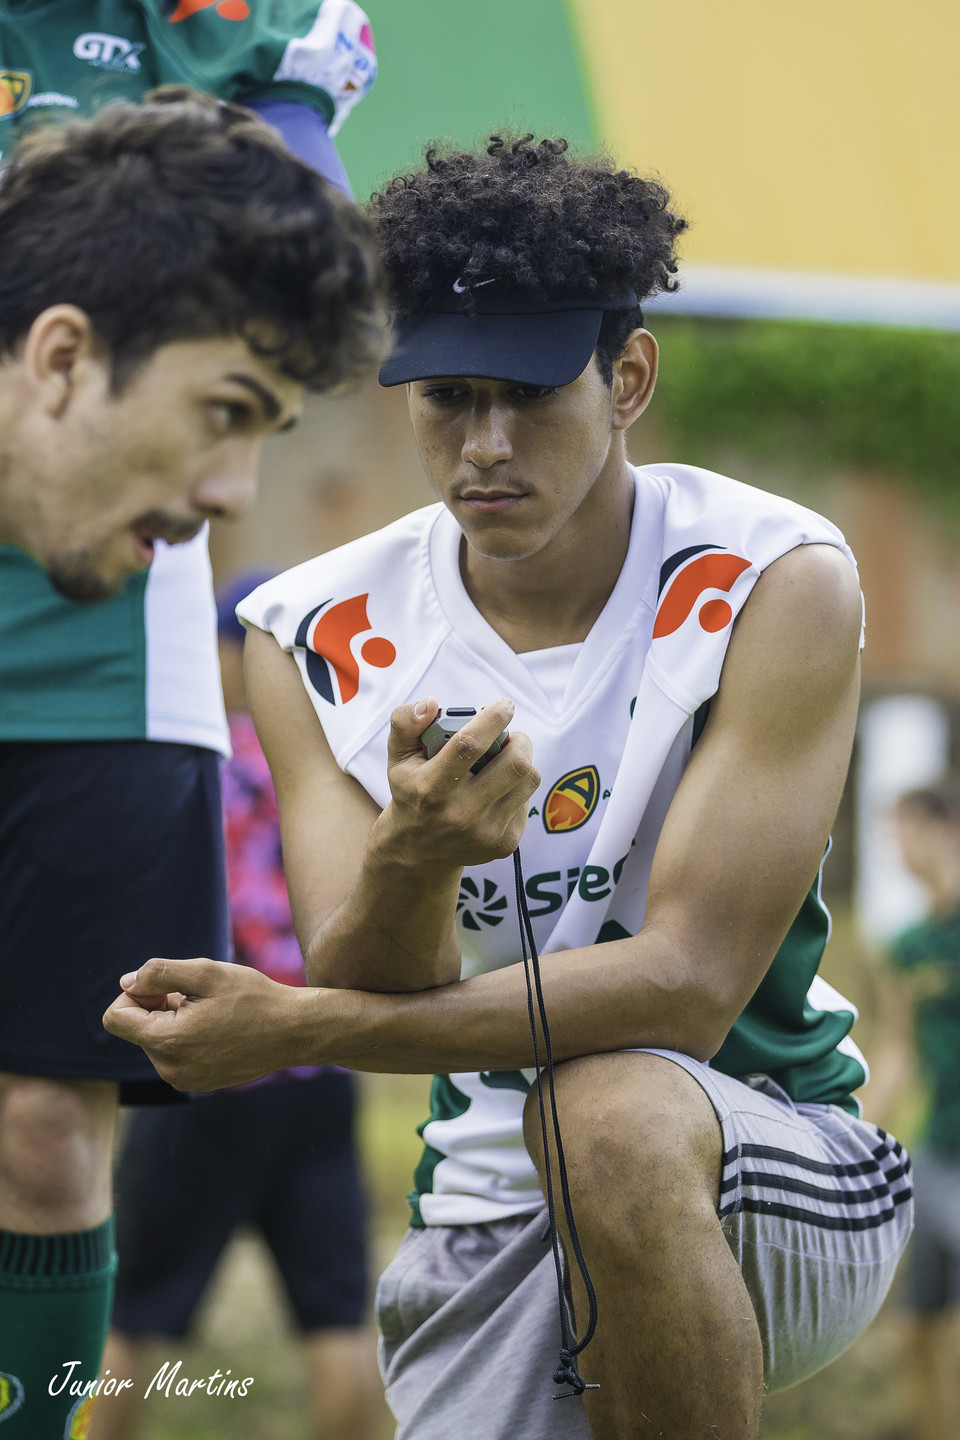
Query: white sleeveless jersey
{"x": 386, "y": 620}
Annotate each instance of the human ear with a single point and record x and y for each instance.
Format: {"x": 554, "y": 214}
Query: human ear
{"x": 60, "y": 340}
{"x": 634, "y": 376}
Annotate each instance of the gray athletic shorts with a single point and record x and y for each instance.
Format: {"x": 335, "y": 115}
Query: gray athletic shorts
{"x": 817, "y": 1209}
{"x": 933, "y": 1260}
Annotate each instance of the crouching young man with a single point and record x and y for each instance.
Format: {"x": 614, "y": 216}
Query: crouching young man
{"x": 680, "y": 654}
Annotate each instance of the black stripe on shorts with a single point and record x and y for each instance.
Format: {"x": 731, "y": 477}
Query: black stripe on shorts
{"x": 822, "y": 1222}
{"x": 775, "y": 1184}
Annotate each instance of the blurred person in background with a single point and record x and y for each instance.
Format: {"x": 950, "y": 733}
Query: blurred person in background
{"x": 111, "y": 718}
{"x": 920, "y": 1029}
{"x": 278, "y": 1155}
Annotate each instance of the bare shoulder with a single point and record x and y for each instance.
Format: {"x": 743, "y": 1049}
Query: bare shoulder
{"x": 817, "y": 587}
{"x": 805, "y": 612}
{"x": 793, "y": 658}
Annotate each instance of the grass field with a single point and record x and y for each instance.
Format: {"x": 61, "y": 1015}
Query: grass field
{"x": 244, "y": 1326}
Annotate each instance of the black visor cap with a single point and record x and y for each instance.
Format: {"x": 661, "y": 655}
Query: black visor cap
{"x": 509, "y": 337}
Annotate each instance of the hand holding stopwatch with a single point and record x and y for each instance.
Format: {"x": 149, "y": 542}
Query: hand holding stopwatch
{"x": 447, "y": 723}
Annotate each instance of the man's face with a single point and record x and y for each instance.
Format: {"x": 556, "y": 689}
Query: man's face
{"x": 109, "y": 475}
{"x": 512, "y": 462}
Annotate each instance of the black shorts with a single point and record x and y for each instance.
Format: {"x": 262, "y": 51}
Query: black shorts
{"x": 280, "y": 1157}
{"x": 110, "y": 852}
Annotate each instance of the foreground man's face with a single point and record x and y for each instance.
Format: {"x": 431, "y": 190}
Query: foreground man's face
{"x": 180, "y": 445}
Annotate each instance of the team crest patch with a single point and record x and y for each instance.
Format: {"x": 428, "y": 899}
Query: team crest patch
{"x": 11, "y": 1396}
{"x": 572, "y": 800}
{"x": 327, "y": 635}
{"x": 78, "y": 1421}
{"x": 714, "y": 571}
{"x": 16, "y": 87}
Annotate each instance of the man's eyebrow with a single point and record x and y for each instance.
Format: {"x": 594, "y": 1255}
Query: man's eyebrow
{"x": 271, "y": 406}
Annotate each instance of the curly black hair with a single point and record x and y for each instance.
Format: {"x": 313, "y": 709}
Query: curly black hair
{"x": 536, "y": 218}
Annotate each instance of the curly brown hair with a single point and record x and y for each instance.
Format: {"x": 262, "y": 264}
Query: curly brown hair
{"x": 187, "y": 218}
{"x": 540, "y": 220}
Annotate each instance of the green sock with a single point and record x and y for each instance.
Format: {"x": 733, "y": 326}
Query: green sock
{"x": 55, "y": 1298}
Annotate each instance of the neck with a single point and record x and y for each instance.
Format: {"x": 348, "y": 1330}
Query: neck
{"x": 13, "y": 527}
{"x": 554, "y": 596}
{"x": 17, "y": 492}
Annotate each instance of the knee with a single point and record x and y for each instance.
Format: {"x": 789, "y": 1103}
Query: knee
{"x": 55, "y": 1136}
{"x": 632, "y": 1121}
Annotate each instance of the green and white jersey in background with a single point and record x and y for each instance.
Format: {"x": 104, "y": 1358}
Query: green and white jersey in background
{"x": 928, "y": 954}
{"x": 144, "y": 665}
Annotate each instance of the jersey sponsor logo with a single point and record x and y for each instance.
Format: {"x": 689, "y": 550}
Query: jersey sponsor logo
{"x": 551, "y": 889}
{"x": 327, "y": 635}
{"x": 108, "y": 52}
{"x": 15, "y": 88}
{"x": 715, "y": 571}
{"x": 11, "y": 1396}
{"x": 78, "y": 1421}
{"x": 572, "y": 800}
{"x": 226, "y": 9}
{"x": 477, "y": 907}
{"x": 364, "y": 65}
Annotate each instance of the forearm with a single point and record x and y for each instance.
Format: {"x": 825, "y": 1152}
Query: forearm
{"x": 396, "y": 930}
{"x": 206, "y": 1025}
{"x": 598, "y": 999}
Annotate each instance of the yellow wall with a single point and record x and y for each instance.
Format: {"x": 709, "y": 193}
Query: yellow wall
{"x": 822, "y": 135}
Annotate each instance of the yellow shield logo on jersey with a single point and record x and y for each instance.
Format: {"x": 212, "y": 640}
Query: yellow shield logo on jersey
{"x": 78, "y": 1421}
{"x": 11, "y": 1395}
{"x": 572, "y": 800}
{"x": 15, "y": 90}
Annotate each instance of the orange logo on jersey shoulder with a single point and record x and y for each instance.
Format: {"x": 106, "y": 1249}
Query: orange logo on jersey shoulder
{"x": 16, "y": 87}
{"x": 327, "y": 636}
{"x": 226, "y": 9}
{"x": 572, "y": 800}
{"x": 716, "y": 571}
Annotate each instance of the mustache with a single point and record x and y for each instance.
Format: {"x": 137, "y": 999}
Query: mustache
{"x": 168, "y": 527}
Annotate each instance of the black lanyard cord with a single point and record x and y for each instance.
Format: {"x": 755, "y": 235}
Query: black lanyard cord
{"x": 566, "y": 1372}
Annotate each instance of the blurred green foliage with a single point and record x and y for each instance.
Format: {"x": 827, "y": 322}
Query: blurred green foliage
{"x": 817, "y": 396}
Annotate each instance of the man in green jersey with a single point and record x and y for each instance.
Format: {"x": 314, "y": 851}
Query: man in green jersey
{"x": 171, "y": 277}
